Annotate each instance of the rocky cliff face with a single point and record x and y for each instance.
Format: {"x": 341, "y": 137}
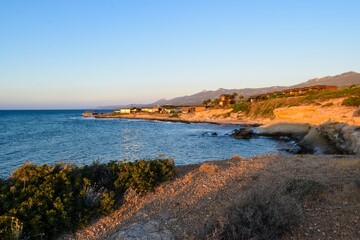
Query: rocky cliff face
{"x": 318, "y": 114}
{"x": 344, "y": 137}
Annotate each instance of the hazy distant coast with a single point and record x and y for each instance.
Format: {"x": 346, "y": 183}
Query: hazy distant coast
{"x": 187, "y": 119}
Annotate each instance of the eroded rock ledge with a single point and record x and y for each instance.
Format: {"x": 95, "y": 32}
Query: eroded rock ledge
{"x": 344, "y": 137}
{"x": 327, "y": 138}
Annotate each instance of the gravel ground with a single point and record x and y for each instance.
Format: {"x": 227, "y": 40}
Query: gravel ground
{"x": 189, "y": 205}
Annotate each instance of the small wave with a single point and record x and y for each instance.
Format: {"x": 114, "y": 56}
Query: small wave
{"x": 210, "y": 134}
{"x": 225, "y": 133}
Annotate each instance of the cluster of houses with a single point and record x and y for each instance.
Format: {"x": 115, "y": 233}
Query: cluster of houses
{"x": 291, "y": 92}
{"x": 161, "y": 109}
{"x": 224, "y": 101}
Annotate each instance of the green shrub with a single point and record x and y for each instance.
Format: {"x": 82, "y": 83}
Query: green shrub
{"x": 143, "y": 175}
{"x": 174, "y": 115}
{"x": 352, "y": 102}
{"x": 47, "y": 200}
{"x": 44, "y": 198}
{"x": 10, "y": 228}
{"x": 241, "y": 107}
{"x": 304, "y": 188}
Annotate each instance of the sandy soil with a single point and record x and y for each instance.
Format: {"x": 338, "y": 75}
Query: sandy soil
{"x": 185, "y": 207}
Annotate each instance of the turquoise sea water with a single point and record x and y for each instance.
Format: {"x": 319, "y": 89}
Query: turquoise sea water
{"x": 64, "y": 135}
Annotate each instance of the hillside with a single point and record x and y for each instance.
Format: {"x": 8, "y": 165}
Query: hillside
{"x": 345, "y": 79}
{"x": 197, "y": 98}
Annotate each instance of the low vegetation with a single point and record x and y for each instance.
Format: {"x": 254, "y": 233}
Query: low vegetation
{"x": 41, "y": 202}
{"x": 242, "y": 107}
{"x": 304, "y": 188}
{"x": 265, "y": 108}
{"x": 174, "y": 115}
{"x": 266, "y": 212}
{"x": 352, "y": 102}
{"x": 329, "y": 94}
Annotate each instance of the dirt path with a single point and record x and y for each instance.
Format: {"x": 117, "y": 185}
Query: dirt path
{"x": 187, "y": 207}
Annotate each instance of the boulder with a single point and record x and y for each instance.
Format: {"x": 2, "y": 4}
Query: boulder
{"x": 294, "y": 130}
{"x": 243, "y": 133}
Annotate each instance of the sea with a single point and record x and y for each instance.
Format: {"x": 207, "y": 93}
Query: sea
{"x": 49, "y": 136}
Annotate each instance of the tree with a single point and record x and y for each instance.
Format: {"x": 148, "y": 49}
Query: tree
{"x": 215, "y": 101}
{"x": 206, "y": 102}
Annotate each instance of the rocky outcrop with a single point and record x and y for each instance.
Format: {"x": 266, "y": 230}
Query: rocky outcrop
{"x": 346, "y": 138}
{"x": 295, "y": 130}
{"x": 328, "y": 138}
{"x": 314, "y": 143}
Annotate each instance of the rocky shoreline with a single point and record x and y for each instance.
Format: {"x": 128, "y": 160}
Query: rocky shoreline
{"x": 189, "y": 118}
{"x": 327, "y": 138}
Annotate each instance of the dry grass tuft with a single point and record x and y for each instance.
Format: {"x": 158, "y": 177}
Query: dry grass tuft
{"x": 304, "y": 189}
{"x": 261, "y": 213}
{"x": 208, "y": 168}
{"x": 236, "y": 157}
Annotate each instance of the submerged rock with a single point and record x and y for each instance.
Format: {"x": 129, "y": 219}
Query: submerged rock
{"x": 243, "y": 133}
{"x": 291, "y": 147}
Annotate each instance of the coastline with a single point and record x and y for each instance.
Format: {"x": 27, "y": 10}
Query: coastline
{"x": 188, "y": 119}
{"x": 321, "y": 135}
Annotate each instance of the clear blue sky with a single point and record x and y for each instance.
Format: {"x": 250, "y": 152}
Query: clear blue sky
{"x": 82, "y": 54}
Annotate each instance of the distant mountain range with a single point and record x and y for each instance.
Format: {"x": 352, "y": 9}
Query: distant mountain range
{"x": 345, "y": 79}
